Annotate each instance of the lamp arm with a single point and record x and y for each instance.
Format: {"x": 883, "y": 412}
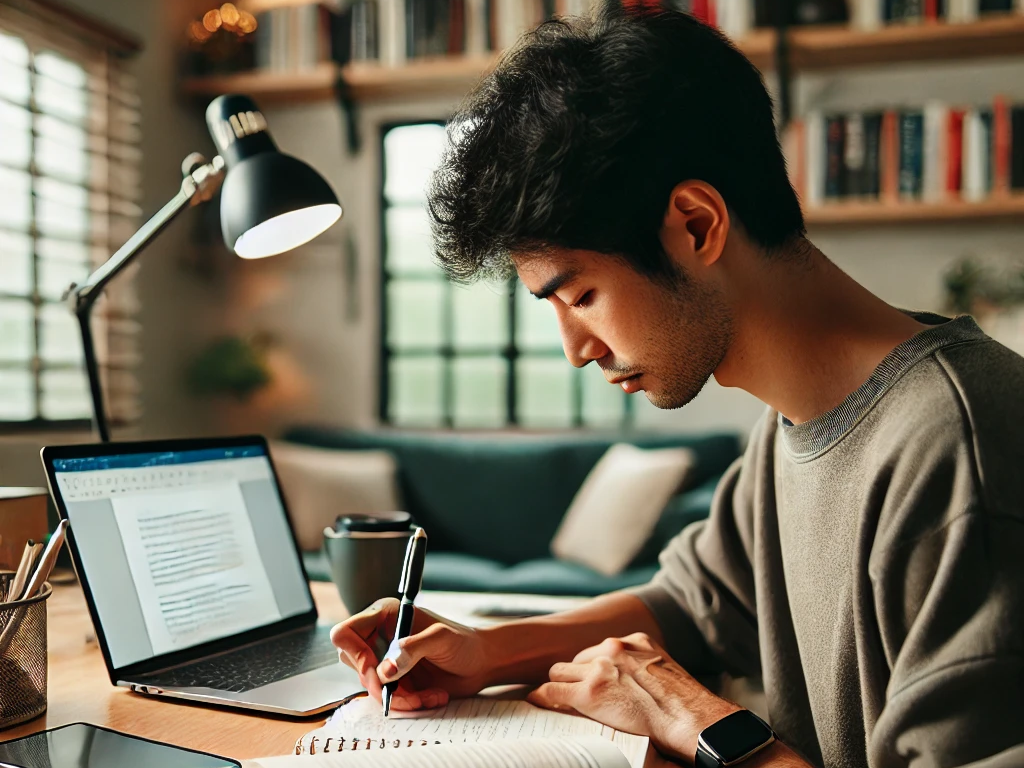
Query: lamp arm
{"x": 200, "y": 182}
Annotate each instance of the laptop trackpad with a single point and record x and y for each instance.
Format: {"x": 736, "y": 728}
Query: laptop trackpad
{"x": 309, "y": 691}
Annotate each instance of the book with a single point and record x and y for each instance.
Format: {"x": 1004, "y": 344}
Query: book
{"x": 954, "y": 158}
{"x": 973, "y": 188}
{"x": 1017, "y": 148}
{"x": 936, "y": 133}
{"x": 911, "y": 147}
{"x": 835, "y": 141}
{"x": 1000, "y": 145}
{"x": 468, "y": 732}
{"x": 889, "y": 157}
{"x": 814, "y": 165}
{"x": 853, "y": 176}
{"x": 871, "y": 184}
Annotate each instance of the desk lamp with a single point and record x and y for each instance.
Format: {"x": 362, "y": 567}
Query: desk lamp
{"x": 269, "y": 203}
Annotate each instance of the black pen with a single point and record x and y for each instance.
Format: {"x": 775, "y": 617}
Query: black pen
{"x": 408, "y": 588}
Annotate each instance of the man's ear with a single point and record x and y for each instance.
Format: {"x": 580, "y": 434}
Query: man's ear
{"x": 696, "y": 223}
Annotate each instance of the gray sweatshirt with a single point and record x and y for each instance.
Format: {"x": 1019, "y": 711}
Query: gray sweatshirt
{"x": 869, "y": 564}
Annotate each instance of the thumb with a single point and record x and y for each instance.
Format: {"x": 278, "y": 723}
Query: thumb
{"x": 404, "y": 654}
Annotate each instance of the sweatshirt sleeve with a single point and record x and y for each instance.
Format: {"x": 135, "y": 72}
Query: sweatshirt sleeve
{"x": 949, "y": 600}
{"x": 703, "y": 595}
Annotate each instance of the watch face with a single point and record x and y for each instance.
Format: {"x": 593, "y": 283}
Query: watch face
{"x": 736, "y": 735}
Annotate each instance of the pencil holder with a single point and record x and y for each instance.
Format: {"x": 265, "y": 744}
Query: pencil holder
{"x": 22, "y": 656}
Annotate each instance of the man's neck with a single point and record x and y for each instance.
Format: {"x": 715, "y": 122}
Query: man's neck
{"x": 806, "y": 334}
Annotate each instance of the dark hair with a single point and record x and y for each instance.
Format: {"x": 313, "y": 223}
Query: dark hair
{"x": 579, "y": 135}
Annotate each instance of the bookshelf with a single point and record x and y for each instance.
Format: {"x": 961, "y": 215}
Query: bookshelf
{"x": 812, "y": 48}
{"x": 1005, "y": 208}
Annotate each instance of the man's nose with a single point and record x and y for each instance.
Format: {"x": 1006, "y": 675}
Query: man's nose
{"x": 579, "y": 343}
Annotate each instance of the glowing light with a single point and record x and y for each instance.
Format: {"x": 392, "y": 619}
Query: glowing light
{"x": 212, "y": 20}
{"x": 287, "y": 231}
{"x": 247, "y": 23}
{"x": 229, "y": 15}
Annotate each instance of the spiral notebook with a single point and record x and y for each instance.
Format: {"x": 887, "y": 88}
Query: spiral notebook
{"x": 468, "y": 732}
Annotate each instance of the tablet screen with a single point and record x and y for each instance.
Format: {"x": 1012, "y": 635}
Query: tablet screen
{"x": 80, "y": 745}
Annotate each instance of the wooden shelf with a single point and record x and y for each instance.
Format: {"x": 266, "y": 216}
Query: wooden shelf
{"x": 839, "y": 46}
{"x": 812, "y": 48}
{"x": 305, "y": 85}
{"x": 1009, "y": 208}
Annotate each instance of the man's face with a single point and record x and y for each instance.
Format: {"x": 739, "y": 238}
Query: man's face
{"x": 645, "y": 335}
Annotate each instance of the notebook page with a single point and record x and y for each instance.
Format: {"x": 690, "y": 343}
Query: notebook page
{"x": 585, "y": 752}
{"x": 478, "y": 719}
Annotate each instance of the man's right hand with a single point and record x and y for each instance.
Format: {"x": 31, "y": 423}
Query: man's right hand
{"x": 440, "y": 660}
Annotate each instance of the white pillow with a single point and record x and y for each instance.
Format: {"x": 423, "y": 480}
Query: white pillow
{"x": 319, "y": 485}
{"x": 615, "y": 510}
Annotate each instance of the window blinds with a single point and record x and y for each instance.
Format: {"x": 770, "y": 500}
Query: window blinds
{"x": 70, "y": 188}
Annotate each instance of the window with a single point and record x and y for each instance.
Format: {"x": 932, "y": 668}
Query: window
{"x": 484, "y": 356}
{"x": 69, "y": 182}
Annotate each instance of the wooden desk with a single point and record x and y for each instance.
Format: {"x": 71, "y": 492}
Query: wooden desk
{"x": 78, "y": 690}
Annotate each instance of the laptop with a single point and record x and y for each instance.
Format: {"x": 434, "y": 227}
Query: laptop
{"x": 193, "y": 576}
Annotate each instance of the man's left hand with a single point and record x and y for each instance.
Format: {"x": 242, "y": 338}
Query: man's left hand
{"x": 632, "y": 685}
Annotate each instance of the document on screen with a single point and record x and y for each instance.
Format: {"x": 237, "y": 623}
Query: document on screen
{"x": 196, "y": 566}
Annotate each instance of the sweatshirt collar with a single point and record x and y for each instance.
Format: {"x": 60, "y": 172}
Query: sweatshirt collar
{"x": 807, "y": 440}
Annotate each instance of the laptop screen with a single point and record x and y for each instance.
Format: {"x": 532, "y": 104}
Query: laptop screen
{"x": 181, "y": 547}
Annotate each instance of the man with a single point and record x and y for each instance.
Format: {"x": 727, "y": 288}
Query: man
{"x": 865, "y": 555}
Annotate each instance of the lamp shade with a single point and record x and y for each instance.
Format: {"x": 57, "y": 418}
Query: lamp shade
{"x": 270, "y": 202}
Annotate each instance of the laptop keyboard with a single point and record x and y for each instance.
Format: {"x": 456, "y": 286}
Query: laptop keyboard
{"x": 257, "y": 665}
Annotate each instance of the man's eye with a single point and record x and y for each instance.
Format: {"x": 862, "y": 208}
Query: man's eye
{"x": 583, "y": 300}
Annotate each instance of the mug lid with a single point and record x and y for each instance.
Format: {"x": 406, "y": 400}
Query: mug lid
{"x": 380, "y": 522}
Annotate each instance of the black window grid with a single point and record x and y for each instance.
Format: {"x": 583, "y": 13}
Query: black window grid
{"x": 511, "y": 351}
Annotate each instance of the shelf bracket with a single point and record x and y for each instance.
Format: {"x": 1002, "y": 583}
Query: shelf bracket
{"x": 343, "y": 94}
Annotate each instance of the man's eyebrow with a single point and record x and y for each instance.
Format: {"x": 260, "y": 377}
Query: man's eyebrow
{"x": 557, "y": 282}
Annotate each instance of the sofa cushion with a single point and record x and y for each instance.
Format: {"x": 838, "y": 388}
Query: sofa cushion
{"x": 618, "y": 505}
{"x": 453, "y": 572}
{"x": 320, "y": 485}
{"x": 502, "y": 498}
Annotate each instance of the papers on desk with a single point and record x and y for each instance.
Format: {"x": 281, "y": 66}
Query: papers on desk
{"x": 468, "y": 732}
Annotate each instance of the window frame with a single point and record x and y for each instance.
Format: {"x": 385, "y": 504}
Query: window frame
{"x": 44, "y": 26}
{"x": 448, "y": 352}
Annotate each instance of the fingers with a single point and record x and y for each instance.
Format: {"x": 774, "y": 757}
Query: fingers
{"x": 380, "y": 617}
{"x": 357, "y": 654}
{"x": 559, "y": 696}
{"x": 435, "y": 640}
{"x": 612, "y": 647}
{"x": 407, "y": 699}
{"x": 563, "y": 672}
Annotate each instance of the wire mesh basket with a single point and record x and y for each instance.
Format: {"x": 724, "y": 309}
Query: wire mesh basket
{"x": 22, "y": 656}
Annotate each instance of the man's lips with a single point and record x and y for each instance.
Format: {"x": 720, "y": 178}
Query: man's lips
{"x": 629, "y": 384}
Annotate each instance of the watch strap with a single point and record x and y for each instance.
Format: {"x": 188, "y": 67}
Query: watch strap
{"x": 704, "y": 759}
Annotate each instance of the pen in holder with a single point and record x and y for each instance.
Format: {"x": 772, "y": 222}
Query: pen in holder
{"x": 22, "y": 656}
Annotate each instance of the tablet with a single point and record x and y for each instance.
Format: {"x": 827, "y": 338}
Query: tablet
{"x": 80, "y": 745}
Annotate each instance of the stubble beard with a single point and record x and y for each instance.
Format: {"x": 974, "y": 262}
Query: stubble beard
{"x": 698, "y": 328}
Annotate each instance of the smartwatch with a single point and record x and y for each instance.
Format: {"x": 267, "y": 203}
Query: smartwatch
{"x": 732, "y": 740}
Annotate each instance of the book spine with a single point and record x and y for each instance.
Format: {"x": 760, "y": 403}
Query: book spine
{"x": 835, "y": 134}
{"x": 995, "y": 6}
{"x": 913, "y": 10}
{"x": 1001, "y": 145}
{"x": 456, "y": 27}
{"x": 853, "y": 157}
{"x": 911, "y": 154}
{"x": 936, "y": 130}
{"x": 1017, "y": 148}
{"x": 264, "y": 36}
{"x": 973, "y": 158}
{"x": 954, "y": 157}
{"x": 392, "y": 32}
{"x": 931, "y": 10}
{"x": 867, "y": 14}
{"x": 476, "y": 27}
{"x": 985, "y": 116}
{"x": 889, "y": 157}
{"x": 871, "y": 183}
{"x": 814, "y": 158}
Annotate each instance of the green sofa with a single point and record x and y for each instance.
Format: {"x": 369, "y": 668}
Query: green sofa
{"x": 491, "y": 505}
